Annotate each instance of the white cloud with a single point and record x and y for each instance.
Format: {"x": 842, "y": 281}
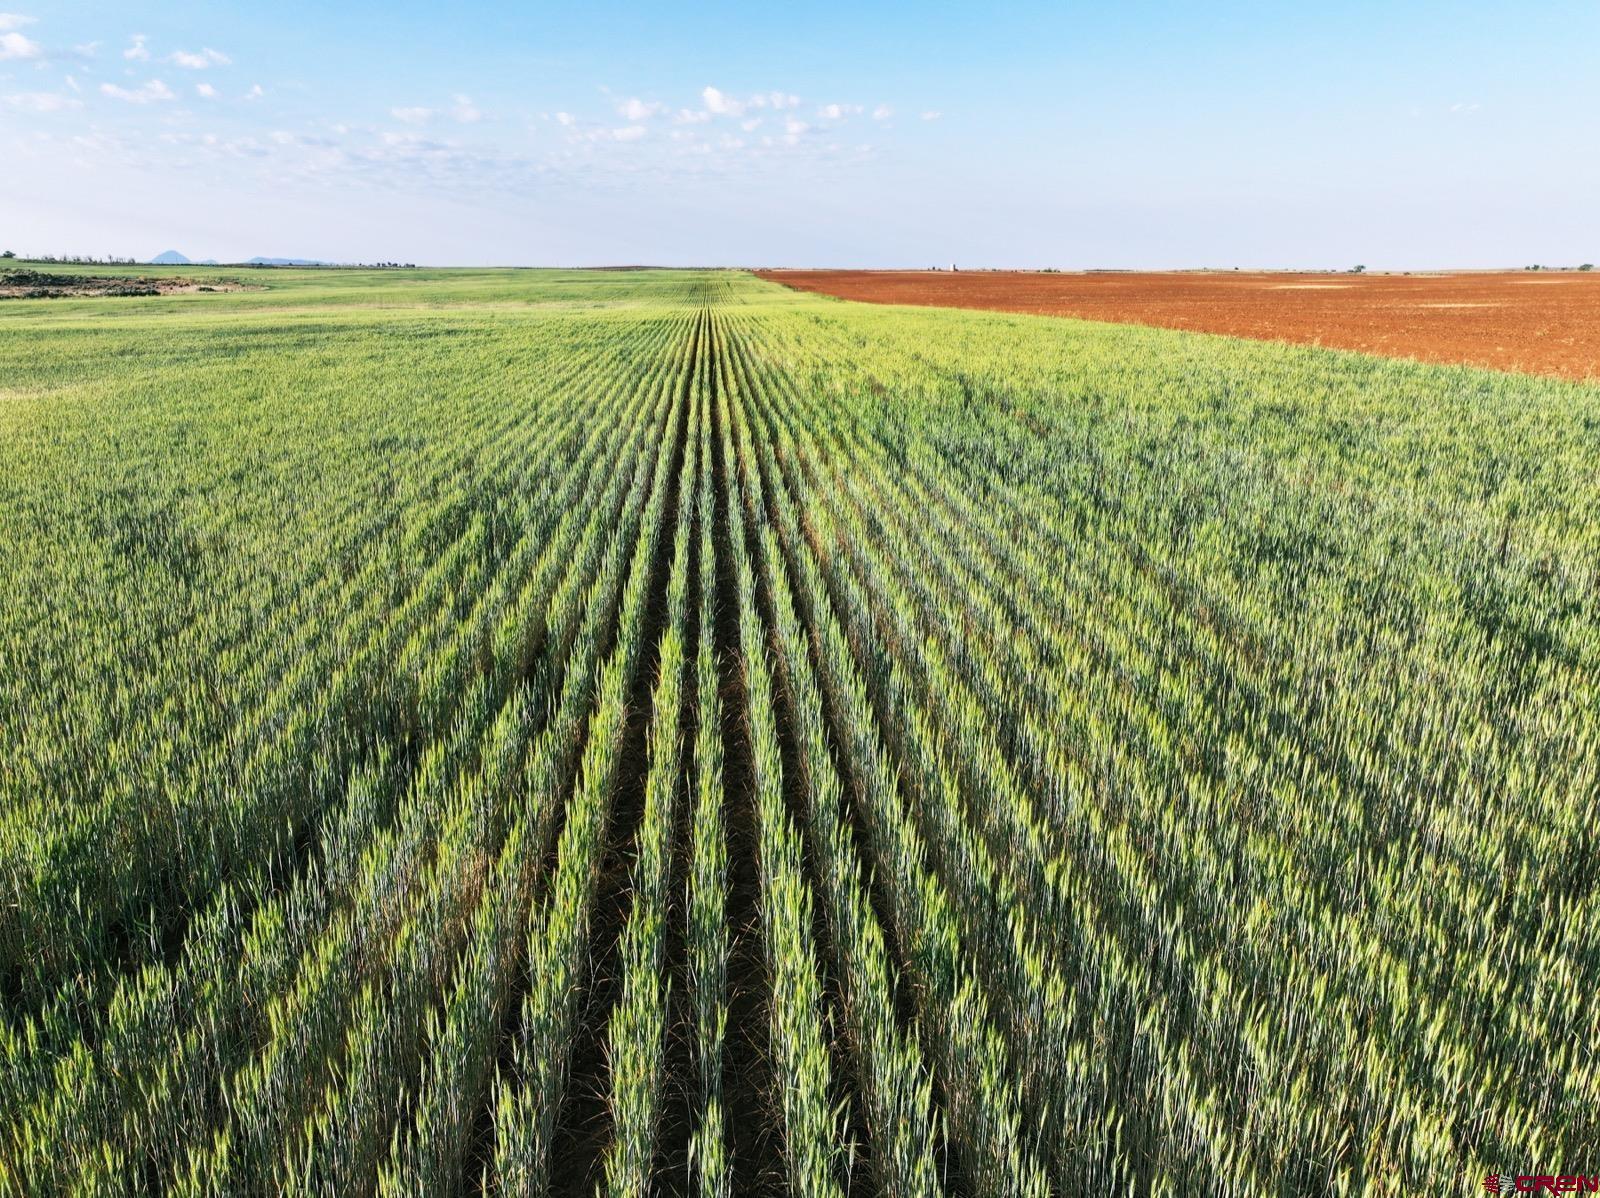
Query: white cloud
{"x": 413, "y": 141}
{"x": 465, "y": 111}
{"x": 255, "y": 92}
{"x": 594, "y": 135}
{"x": 587, "y": 144}
{"x": 42, "y": 102}
{"x": 720, "y": 103}
{"x": 635, "y": 109}
{"x": 233, "y": 147}
{"x": 751, "y": 125}
{"x": 73, "y": 84}
{"x": 137, "y": 52}
{"x": 692, "y": 116}
{"x": 411, "y": 116}
{"x": 15, "y": 46}
{"x": 932, "y": 115}
{"x": 86, "y": 49}
{"x": 1465, "y": 109}
{"x": 199, "y": 61}
{"x": 206, "y": 90}
{"x": 838, "y": 112}
{"x": 14, "y": 20}
{"x": 882, "y": 112}
{"x": 153, "y": 91}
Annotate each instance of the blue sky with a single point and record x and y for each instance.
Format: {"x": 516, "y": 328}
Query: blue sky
{"x": 1073, "y": 135}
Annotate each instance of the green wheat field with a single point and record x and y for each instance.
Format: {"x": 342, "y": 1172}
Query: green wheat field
{"x": 636, "y": 732}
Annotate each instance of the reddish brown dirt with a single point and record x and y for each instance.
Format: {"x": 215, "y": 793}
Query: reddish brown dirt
{"x": 1539, "y": 322}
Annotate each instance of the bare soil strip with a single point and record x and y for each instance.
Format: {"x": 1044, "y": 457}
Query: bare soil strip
{"x": 1496, "y": 319}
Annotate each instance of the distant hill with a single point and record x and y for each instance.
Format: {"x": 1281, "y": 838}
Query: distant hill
{"x": 173, "y": 258}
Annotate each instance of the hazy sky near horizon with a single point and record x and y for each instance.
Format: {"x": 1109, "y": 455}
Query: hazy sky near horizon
{"x": 1394, "y": 134}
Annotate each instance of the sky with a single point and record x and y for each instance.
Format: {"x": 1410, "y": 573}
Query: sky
{"x": 1396, "y": 135}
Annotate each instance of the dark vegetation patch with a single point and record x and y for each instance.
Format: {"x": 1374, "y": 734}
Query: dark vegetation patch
{"x": 40, "y": 284}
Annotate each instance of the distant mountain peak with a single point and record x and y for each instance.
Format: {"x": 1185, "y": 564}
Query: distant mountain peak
{"x": 170, "y": 258}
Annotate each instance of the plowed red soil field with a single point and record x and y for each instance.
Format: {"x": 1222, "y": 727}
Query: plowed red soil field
{"x": 1538, "y": 322}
